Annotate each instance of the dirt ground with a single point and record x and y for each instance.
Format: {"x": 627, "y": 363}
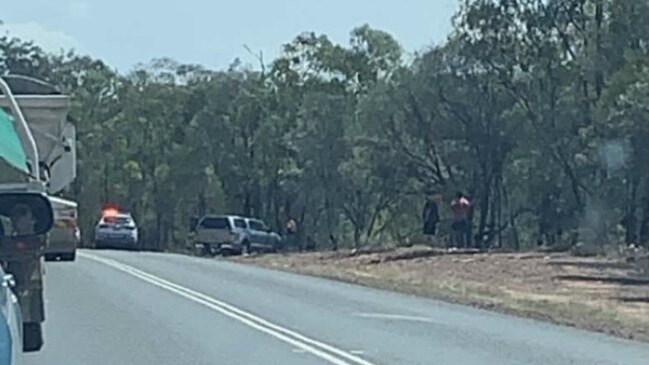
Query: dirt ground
{"x": 598, "y": 294}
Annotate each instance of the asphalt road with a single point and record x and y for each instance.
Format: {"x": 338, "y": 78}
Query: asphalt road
{"x": 113, "y": 307}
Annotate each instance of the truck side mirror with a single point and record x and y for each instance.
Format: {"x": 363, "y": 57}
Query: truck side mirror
{"x": 28, "y": 213}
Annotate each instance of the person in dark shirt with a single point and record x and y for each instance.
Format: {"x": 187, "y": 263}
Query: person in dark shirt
{"x": 430, "y": 214}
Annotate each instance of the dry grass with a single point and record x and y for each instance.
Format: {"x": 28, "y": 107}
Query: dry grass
{"x": 595, "y": 294}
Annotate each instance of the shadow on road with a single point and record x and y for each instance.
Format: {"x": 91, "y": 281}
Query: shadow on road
{"x": 593, "y": 264}
{"x": 605, "y": 279}
{"x": 633, "y": 299}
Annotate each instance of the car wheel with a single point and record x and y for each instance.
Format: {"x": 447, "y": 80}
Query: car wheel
{"x": 32, "y": 337}
{"x": 203, "y": 250}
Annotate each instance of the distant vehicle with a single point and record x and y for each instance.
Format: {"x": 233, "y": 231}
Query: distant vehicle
{"x": 221, "y": 234}
{"x": 11, "y": 322}
{"x": 65, "y": 236}
{"x": 261, "y": 237}
{"x": 231, "y": 234}
{"x": 116, "y": 229}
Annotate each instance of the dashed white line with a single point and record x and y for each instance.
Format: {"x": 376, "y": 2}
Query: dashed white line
{"x": 319, "y": 349}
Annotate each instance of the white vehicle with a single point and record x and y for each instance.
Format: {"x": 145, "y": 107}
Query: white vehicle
{"x": 116, "y": 230}
{"x": 262, "y": 238}
{"x": 65, "y": 236}
{"x": 11, "y": 321}
{"x": 222, "y": 234}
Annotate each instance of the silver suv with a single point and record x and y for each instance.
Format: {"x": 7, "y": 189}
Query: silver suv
{"x": 261, "y": 237}
{"x": 231, "y": 234}
{"x": 214, "y": 234}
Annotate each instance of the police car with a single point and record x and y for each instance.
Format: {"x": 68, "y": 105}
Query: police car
{"x": 116, "y": 229}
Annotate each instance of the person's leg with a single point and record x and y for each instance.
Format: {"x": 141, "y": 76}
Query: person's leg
{"x": 455, "y": 239}
{"x": 467, "y": 234}
{"x": 462, "y": 233}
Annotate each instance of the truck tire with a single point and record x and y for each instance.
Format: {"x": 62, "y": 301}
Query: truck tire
{"x": 32, "y": 337}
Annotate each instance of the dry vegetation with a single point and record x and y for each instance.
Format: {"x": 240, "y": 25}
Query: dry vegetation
{"x": 605, "y": 295}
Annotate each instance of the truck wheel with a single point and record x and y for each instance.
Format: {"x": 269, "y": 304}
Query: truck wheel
{"x": 32, "y": 337}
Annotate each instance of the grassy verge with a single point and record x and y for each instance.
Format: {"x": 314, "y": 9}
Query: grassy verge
{"x": 535, "y": 293}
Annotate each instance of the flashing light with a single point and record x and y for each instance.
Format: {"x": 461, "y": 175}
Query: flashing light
{"x": 110, "y": 210}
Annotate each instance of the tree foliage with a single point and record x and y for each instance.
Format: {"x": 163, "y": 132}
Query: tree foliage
{"x": 538, "y": 109}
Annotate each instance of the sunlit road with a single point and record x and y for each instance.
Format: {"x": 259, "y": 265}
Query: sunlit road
{"x": 113, "y": 307}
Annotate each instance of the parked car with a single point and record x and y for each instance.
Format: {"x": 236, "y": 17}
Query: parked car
{"x": 11, "y": 323}
{"x": 221, "y": 234}
{"x": 261, "y": 237}
{"x": 116, "y": 230}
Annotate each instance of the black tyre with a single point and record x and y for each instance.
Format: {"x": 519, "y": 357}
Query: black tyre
{"x": 32, "y": 337}
{"x": 69, "y": 256}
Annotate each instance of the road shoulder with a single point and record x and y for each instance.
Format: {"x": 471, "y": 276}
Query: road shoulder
{"x": 588, "y": 293}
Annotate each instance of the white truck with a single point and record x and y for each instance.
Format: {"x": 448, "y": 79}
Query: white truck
{"x": 40, "y": 116}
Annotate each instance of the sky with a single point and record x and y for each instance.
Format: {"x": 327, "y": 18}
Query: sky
{"x": 124, "y": 33}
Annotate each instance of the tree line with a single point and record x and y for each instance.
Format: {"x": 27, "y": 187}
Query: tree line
{"x": 537, "y": 109}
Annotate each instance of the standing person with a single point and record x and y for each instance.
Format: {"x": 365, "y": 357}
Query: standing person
{"x": 469, "y": 225}
{"x": 430, "y": 215}
{"x": 460, "y": 208}
{"x": 291, "y": 232}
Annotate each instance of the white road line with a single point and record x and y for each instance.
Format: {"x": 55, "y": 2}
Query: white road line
{"x": 322, "y": 350}
{"x": 399, "y": 317}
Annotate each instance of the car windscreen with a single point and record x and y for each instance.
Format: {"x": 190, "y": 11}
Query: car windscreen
{"x": 257, "y": 225}
{"x": 215, "y": 223}
{"x": 117, "y": 220}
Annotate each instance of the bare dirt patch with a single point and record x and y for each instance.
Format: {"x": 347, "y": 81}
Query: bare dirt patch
{"x": 597, "y": 294}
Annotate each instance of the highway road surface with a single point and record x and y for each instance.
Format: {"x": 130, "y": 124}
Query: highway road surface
{"x": 113, "y": 307}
